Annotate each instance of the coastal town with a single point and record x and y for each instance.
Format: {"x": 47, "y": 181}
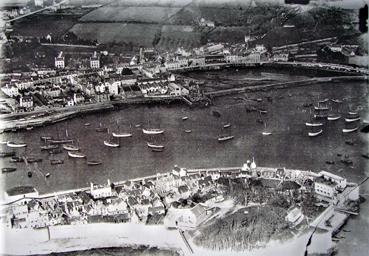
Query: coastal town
{"x": 119, "y": 121}
{"x": 194, "y": 200}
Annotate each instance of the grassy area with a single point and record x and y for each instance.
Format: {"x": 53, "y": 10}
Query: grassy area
{"x": 173, "y": 36}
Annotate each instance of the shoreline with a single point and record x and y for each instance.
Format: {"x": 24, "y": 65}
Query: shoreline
{"x": 62, "y": 114}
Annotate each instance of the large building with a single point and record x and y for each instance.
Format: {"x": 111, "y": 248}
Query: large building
{"x": 59, "y": 61}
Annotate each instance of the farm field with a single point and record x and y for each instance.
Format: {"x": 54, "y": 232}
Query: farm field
{"x": 131, "y": 14}
{"x": 136, "y": 34}
{"x": 173, "y": 36}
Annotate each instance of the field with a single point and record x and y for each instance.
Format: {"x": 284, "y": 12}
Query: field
{"x": 135, "y": 34}
{"x": 146, "y": 14}
{"x": 178, "y": 36}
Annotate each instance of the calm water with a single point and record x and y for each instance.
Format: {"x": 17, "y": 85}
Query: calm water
{"x": 288, "y": 146}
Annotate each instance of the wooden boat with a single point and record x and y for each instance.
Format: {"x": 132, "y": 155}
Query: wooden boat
{"x": 138, "y": 125}
{"x": 310, "y": 124}
{"x": 47, "y": 175}
{"x": 266, "y": 133}
{"x": 227, "y": 125}
{"x": 94, "y": 162}
{"x": 320, "y": 116}
{"x": 314, "y": 134}
{"x": 225, "y": 138}
{"x": 318, "y": 108}
{"x": 188, "y": 131}
{"x": 8, "y": 169}
{"x": 348, "y": 130}
{"x": 15, "y": 145}
{"x": 336, "y": 100}
{"x": 121, "y": 135}
{"x": 29, "y": 128}
{"x": 86, "y": 124}
{"x": 76, "y": 155}
{"x": 333, "y": 117}
{"x": 151, "y": 145}
{"x": 7, "y": 154}
{"x": 152, "y": 131}
{"x": 365, "y": 121}
{"x": 324, "y": 101}
{"x": 16, "y": 159}
{"x": 263, "y": 111}
{"x": 351, "y": 120}
{"x": 48, "y": 147}
{"x": 184, "y": 118}
{"x": 34, "y": 160}
{"x": 111, "y": 144}
{"x": 353, "y": 113}
{"x": 70, "y": 147}
{"x": 56, "y": 161}
{"x": 3, "y": 142}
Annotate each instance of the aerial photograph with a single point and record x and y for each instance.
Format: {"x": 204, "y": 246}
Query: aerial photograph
{"x": 184, "y": 127}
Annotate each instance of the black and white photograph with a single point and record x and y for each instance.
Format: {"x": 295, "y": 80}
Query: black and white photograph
{"x": 184, "y": 127}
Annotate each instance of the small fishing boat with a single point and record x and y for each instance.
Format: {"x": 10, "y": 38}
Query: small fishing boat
{"x": 333, "y": 117}
{"x": 188, "y": 131}
{"x": 15, "y": 144}
{"x": 48, "y": 147}
{"x": 225, "y": 138}
{"x": 320, "y": 108}
{"x": 56, "y": 161}
{"x": 151, "y": 145}
{"x": 138, "y": 125}
{"x": 324, "y": 101}
{"x": 111, "y": 144}
{"x": 365, "y": 121}
{"x": 329, "y": 162}
{"x": 266, "y": 133}
{"x": 3, "y": 142}
{"x": 353, "y": 113}
{"x": 47, "y": 175}
{"x": 320, "y": 116}
{"x": 263, "y": 111}
{"x": 34, "y": 160}
{"x": 348, "y": 130}
{"x": 7, "y": 154}
{"x": 76, "y": 154}
{"x": 311, "y": 124}
{"x": 16, "y": 159}
{"x": 314, "y": 134}
{"x": 28, "y": 128}
{"x": 227, "y": 125}
{"x": 122, "y": 135}
{"x": 351, "y": 120}
{"x": 86, "y": 124}
{"x": 94, "y": 162}
{"x": 70, "y": 147}
{"x": 8, "y": 169}
{"x": 152, "y": 131}
{"x": 184, "y": 118}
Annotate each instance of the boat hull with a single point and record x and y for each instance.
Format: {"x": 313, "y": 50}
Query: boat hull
{"x": 350, "y": 130}
{"x": 112, "y": 145}
{"x": 223, "y": 139}
{"x": 152, "y": 131}
{"x": 122, "y": 135}
{"x": 75, "y": 155}
{"x": 314, "y": 134}
{"x": 153, "y": 146}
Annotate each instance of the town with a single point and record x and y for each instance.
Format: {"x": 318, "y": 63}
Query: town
{"x": 190, "y": 200}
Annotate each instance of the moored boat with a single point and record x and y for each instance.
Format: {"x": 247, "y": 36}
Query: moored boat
{"x": 348, "y": 130}
{"x": 314, "y": 134}
{"x": 121, "y": 135}
{"x": 56, "y": 161}
{"x": 311, "y": 124}
{"x": 111, "y": 144}
{"x": 184, "y": 118}
{"x": 320, "y": 116}
{"x": 70, "y": 147}
{"x": 320, "y": 108}
{"x": 157, "y": 149}
{"x": 28, "y": 128}
{"x": 86, "y": 124}
{"x": 351, "y": 119}
{"x": 151, "y": 145}
{"x": 44, "y": 138}
{"x": 227, "y": 125}
{"x": 48, "y": 147}
{"x": 188, "y": 131}
{"x": 333, "y": 117}
{"x": 336, "y": 100}
{"x": 225, "y": 138}
{"x": 365, "y": 155}
{"x": 15, "y": 144}
{"x": 152, "y": 131}
{"x": 266, "y": 133}
{"x": 47, "y": 175}
{"x": 8, "y": 169}
{"x": 33, "y": 160}
{"x": 76, "y": 154}
{"x": 61, "y": 141}
{"x": 92, "y": 162}
{"x": 353, "y": 113}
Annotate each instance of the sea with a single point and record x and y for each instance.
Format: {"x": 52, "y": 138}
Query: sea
{"x": 288, "y": 146}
